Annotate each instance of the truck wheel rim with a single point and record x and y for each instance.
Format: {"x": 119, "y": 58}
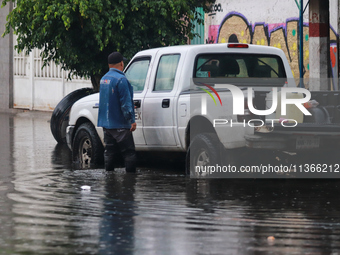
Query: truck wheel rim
{"x": 203, "y": 159}
{"x": 85, "y": 151}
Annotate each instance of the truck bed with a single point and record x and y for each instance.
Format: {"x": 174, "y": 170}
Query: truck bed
{"x": 320, "y": 131}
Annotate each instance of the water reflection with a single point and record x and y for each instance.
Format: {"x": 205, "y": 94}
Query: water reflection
{"x": 6, "y": 185}
{"x": 43, "y": 209}
{"x": 61, "y": 157}
{"x": 117, "y": 224}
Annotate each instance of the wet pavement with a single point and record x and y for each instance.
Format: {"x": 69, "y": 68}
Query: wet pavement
{"x": 44, "y": 210}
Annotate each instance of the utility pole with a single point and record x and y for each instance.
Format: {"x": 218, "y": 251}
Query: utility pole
{"x": 301, "y": 44}
{"x": 6, "y": 62}
{"x": 319, "y": 60}
{"x": 337, "y": 46}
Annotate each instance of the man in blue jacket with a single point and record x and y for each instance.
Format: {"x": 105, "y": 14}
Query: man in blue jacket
{"x": 117, "y": 115}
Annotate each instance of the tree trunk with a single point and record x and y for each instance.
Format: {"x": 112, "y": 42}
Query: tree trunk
{"x": 95, "y": 80}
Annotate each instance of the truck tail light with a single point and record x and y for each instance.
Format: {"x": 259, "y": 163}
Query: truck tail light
{"x": 238, "y": 45}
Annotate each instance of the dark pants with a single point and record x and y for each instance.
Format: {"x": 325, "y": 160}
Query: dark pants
{"x": 119, "y": 141}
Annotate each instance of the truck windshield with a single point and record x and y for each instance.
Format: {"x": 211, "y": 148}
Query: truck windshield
{"x": 239, "y": 66}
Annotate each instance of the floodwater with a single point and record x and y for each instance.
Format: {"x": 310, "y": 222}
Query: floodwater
{"x": 44, "y": 210}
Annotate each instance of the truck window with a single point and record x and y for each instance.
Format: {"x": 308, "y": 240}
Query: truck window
{"x": 239, "y": 66}
{"x": 137, "y": 72}
{"x": 166, "y": 72}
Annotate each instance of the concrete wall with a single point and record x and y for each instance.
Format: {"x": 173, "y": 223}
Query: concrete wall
{"x": 40, "y": 88}
{"x": 43, "y": 93}
{"x": 6, "y": 62}
{"x": 273, "y": 23}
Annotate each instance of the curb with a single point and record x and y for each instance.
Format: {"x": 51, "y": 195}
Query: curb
{"x": 26, "y": 113}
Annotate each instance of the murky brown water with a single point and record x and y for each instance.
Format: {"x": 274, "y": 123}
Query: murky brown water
{"x": 43, "y": 209}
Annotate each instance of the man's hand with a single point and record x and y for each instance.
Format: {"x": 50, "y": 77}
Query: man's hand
{"x": 133, "y": 127}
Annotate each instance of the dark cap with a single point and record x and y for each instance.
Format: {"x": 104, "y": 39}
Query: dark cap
{"x": 115, "y": 58}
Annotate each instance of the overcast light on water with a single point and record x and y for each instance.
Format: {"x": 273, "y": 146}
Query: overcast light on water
{"x": 45, "y": 208}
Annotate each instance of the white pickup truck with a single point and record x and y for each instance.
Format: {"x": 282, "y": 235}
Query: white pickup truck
{"x": 184, "y": 104}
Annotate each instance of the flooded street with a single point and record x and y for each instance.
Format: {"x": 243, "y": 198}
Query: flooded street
{"x": 158, "y": 210}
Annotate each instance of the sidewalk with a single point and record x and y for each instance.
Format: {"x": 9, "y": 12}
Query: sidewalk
{"x": 27, "y": 113}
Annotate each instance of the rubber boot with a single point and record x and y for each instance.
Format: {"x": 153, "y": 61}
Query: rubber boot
{"x": 127, "y": 148}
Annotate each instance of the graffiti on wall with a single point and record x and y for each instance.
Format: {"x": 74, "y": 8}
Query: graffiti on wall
{"x": 236, "y": 28}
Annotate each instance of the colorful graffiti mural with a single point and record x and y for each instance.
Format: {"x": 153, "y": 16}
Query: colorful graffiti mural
{"x": 236, "y": 28}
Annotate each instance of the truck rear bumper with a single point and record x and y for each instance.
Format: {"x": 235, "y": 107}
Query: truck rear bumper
{"x": 296, "y": 142}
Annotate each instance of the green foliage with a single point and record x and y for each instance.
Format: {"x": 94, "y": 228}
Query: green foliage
{"x": 79, "y": 34}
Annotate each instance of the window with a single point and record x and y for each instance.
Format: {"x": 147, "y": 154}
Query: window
{"x": 137, "y": 72}
{"x": 166, "y": 72}
{"x": 239, "y": 66}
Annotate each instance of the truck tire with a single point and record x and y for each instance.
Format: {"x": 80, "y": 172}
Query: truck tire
{"x": 60, "y": 115}
{"x": 88, "y": 150}
{"x": 204, "y": 150}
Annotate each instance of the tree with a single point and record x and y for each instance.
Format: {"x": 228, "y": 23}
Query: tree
{"x": 80, "y": 34}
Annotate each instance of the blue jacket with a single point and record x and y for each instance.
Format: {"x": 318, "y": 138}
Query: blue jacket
{"x": 116, "y": 107}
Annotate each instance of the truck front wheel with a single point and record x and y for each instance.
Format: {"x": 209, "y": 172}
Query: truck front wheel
{"x": 204, "y": 151}
{"x": 87, "y": 149}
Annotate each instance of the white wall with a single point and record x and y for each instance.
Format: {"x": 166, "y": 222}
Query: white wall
{"x": 38, "y": 88}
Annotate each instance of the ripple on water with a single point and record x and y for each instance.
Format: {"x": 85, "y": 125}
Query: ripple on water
{"x": 160, "y": 212}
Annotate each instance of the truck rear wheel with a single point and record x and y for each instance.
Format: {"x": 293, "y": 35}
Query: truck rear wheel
{"x": 203, "y": 152}
{"x": 87, "y": 148}
{"x": 60, "y": 115}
